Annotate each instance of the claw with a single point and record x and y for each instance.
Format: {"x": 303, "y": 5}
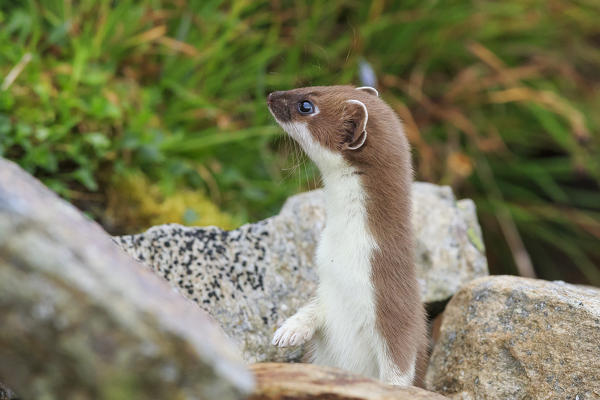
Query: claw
{"x": 293, "y": 332}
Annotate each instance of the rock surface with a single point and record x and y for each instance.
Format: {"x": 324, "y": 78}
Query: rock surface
{"x": 82, "y": 320}
{"x": 516, "y": 338}
{"x": 306, "y": 381}
{"x": 252, "y": 278}
{"x": 449, "y": 244}
{"x": 6, "y": 393}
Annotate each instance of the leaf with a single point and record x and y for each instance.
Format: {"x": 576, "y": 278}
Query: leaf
{"x": 85, "y": 177}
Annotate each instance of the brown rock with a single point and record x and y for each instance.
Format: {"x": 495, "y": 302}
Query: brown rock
{"x": 306, "y": 381}
{"x": 515, "y": 338}
{"x": 82, "y": 320}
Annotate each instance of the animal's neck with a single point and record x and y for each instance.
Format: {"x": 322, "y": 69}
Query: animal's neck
{"x": 344, "y": 195}
{"x": 382, "y": 198}
{"x": 377, "y": 200}
{"x": 389, "y": 199}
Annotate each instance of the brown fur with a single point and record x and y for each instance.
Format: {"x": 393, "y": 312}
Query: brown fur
{"x": 385, "y": 167}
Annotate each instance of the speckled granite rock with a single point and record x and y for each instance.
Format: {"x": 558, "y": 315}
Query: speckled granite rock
{"x": 306, "y": 381}
{"x": 516, "y": 338}
{"x": 82, "y": 320}
{"x": 254, "y": 277}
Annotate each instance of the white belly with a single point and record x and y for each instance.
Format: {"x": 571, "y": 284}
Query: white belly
{"x": 349, "y": 339}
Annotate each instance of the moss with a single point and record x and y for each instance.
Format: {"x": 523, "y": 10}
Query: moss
{"x": 122, "y": 387}
{"x": 134, "y": 204}
{"x": 475, "y": 240}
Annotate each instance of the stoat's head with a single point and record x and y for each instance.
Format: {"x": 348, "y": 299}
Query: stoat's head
{"x": 334, "y": 124}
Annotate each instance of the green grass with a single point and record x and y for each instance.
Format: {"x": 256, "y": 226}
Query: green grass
{"x": 500, "y": 100}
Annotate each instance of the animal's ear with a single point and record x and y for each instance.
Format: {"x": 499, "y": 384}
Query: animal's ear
{"x": 369, "y": 89}
{"x": 355, "y": 117}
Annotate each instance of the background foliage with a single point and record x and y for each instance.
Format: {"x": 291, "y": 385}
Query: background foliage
{"x": 144, "y": 112}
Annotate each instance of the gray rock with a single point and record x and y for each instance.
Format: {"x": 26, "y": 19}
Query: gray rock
{"x": 449, "y": 244}
{"x": 81, "y": 319}
{"x": 252, "y": 278}
{"x": 517, "y": 338}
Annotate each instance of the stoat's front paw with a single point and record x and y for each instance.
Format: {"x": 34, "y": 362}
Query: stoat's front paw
{"x": 293, "y": 332}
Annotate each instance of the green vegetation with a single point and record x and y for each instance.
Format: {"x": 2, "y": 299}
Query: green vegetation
{"x": 500, "y": 100}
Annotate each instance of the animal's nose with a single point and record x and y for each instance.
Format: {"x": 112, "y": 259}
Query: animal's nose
{"x": 272, "y": 97}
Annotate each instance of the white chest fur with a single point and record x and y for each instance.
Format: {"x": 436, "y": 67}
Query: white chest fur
{"x": 345, "y": 290}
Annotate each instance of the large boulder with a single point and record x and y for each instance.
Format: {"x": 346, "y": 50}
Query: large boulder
{"x": 305, "y": 381}
{"x": 252, "y": 278}
{"x": 516, "y": 338}
{"x": 82, "y": 320}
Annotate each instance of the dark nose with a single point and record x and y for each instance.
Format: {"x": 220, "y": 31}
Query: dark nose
{"x": 274, "y": 96}
{"x": 277, "y": 103}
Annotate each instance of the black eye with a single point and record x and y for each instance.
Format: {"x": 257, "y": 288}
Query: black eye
{"x": 306, "y": 107}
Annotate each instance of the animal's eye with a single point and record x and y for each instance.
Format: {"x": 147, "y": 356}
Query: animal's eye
{"x": 306, "y": 107}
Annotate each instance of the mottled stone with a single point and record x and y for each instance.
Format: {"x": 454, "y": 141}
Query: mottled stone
{"x": 252, "y": 278}
{"x": 306, "y": 381}
{"x": 82, "y": 320}
{"x": 516, "y": 338}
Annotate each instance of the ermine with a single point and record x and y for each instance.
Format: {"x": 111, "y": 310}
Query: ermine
{"x": 367, "y": 316}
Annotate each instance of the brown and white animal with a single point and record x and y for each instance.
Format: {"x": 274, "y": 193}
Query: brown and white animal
{"x": 367, "y": 316}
